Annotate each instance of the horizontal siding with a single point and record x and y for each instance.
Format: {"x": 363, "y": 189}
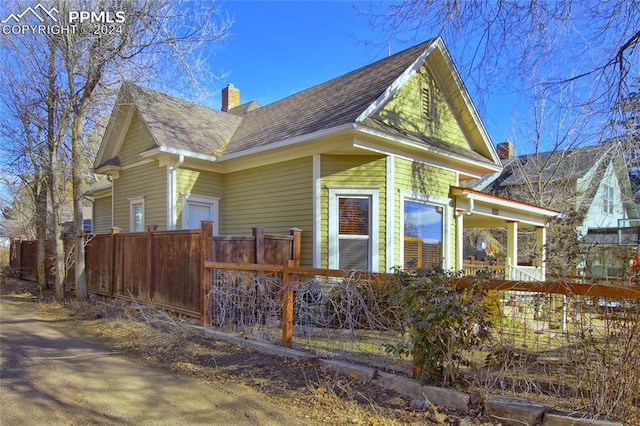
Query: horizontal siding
{"x": 148, "y": 181}
{"x": 102, "y": 215}
{"x": 404, "y": 110}
{"x": 422, "y": 179}
{"x": 277, "y": 197}
{"x": 354, "y": 171}
{"x": 196, "y": 182}
{"x": 136, "y": 140}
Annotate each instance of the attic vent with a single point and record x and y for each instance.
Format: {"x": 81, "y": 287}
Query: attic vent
{"x": 426, "y": 102}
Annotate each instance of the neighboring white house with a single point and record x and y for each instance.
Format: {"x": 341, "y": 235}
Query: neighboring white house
{"x": 592, "y": 182}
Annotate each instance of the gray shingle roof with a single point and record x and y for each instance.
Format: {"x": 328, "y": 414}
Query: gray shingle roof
{"x": 330, "y": 104}
{"x": 183, "y": 125}
{"x": 438, "y": 144}
{"x": 553, "y": 166}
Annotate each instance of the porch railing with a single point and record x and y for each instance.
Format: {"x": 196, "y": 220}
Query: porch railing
{"x": 502, "y": 270}
{"x": 523, "y": 273}
{"x": 494, "y": 269}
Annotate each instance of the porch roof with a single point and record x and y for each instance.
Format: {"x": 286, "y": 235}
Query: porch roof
{"x": 484, "y": 210}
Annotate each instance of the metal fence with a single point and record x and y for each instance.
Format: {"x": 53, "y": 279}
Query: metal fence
{"x": 542, "y": 342}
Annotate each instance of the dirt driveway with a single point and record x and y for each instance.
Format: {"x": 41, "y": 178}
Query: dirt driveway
{"x": 48, "y": 377}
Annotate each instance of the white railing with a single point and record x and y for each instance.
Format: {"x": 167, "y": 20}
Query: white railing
{"x": 524, "y": 273}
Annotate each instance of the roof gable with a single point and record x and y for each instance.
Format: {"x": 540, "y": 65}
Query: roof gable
{"x": 183, "y": 125}
{"x": 348, "y": 101}
{"x": 334, "y": 103}
{"x": 172, "y": 122}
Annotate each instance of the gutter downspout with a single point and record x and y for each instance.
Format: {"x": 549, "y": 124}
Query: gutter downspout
{"x": 171, "y": 191}
{"x": 113, "y": 200}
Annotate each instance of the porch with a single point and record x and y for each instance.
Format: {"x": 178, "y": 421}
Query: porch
{"x": 501, "y": 270}
{"x": 475, "y": 209}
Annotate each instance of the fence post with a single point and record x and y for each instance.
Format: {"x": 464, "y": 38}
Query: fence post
{"x": 295, "y": 248}
{"x": 112, "y": 261}
{"x": 206, "y": 254}
{"x": 287, "y": 306}
{"x": 150, "y": 230}
{"x": 258, "y": 235}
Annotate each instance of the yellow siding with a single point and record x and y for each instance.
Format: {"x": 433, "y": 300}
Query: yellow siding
{"x": 278, "y": 197}
{"x": 102, "y": 215}
{"x": 137, "y": 139}
{"x": 404, "y": 110}
{"x": 353, "y": 171}
{"x": 423, "y": 179}
{"x": 196, "y": 182}
{"x": 148, "y": 181}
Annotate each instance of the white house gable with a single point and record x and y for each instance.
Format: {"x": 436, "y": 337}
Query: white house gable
{"x": 607, "y": 205}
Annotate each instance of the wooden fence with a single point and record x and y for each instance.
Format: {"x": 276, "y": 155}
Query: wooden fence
{"x": 23, "y": 258}
{"x": 165, "y": 268}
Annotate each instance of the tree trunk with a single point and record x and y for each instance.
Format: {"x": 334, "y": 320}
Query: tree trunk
{"x": 54, "y": 169}
{"x": 82, "y": 290}
{"x": 40, "y": 197}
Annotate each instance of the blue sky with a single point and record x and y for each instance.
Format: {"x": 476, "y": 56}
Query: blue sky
{"x": 281, "y": 47}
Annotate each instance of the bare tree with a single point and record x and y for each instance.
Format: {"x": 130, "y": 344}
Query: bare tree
{"x": 111, "y": 42}
{"x": 34, "y": 130}
{"x": 593, "y": 43}
{"x": 151, "y": 34}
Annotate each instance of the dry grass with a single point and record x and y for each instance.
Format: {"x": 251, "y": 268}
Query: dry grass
{"x": 159, "y": 339}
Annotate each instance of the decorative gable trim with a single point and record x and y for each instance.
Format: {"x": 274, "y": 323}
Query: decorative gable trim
{"x": 116, "y": 128}
{"x": 395, "y": 86}
{"x": 470, "y": 107}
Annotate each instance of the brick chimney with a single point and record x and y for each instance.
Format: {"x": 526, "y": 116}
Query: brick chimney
{"x": 230, "y": 97}
{"x": 505, "y": 150}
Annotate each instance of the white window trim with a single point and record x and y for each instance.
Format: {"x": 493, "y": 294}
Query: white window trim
{"x": 334, "y": 193}
{"x": 434, "y": 200}
{"x": 202, "y": 199}
{"x": 132, "y": 220}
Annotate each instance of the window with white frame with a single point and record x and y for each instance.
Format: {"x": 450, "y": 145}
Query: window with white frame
{"x": 136, "y": 214}
{"x": 353, "y": 229}
{"x": 607, "y": 199}
{"x": 423, "y": 225}
{"x": 196, "y": 208}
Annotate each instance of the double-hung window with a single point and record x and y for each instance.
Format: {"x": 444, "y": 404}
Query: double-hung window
{"x": 353, "y": 228}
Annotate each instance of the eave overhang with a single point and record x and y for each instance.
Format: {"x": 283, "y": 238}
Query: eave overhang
{"x": 403, "y": 147}
{"x": 158, "y": 152}
{"x": 483, "y": 210}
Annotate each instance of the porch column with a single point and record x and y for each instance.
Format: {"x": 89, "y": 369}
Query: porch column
{"x": 459, "y": 239}
{"x": 512, "y": 246}
{"x": 541, "y": 246}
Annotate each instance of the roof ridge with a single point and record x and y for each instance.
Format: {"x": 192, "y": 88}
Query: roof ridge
{"x": 165, "y": 95}
{"x": 377, "y": 62}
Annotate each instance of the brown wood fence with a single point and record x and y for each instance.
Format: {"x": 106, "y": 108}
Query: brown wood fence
{"x": 23, "y": 259}
{"x": 166, "y": 268}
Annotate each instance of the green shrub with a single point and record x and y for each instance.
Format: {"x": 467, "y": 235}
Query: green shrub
{"x": 441, "y": 322}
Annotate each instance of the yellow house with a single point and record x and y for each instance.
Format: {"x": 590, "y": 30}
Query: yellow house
{"x": 370, "y": 165}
